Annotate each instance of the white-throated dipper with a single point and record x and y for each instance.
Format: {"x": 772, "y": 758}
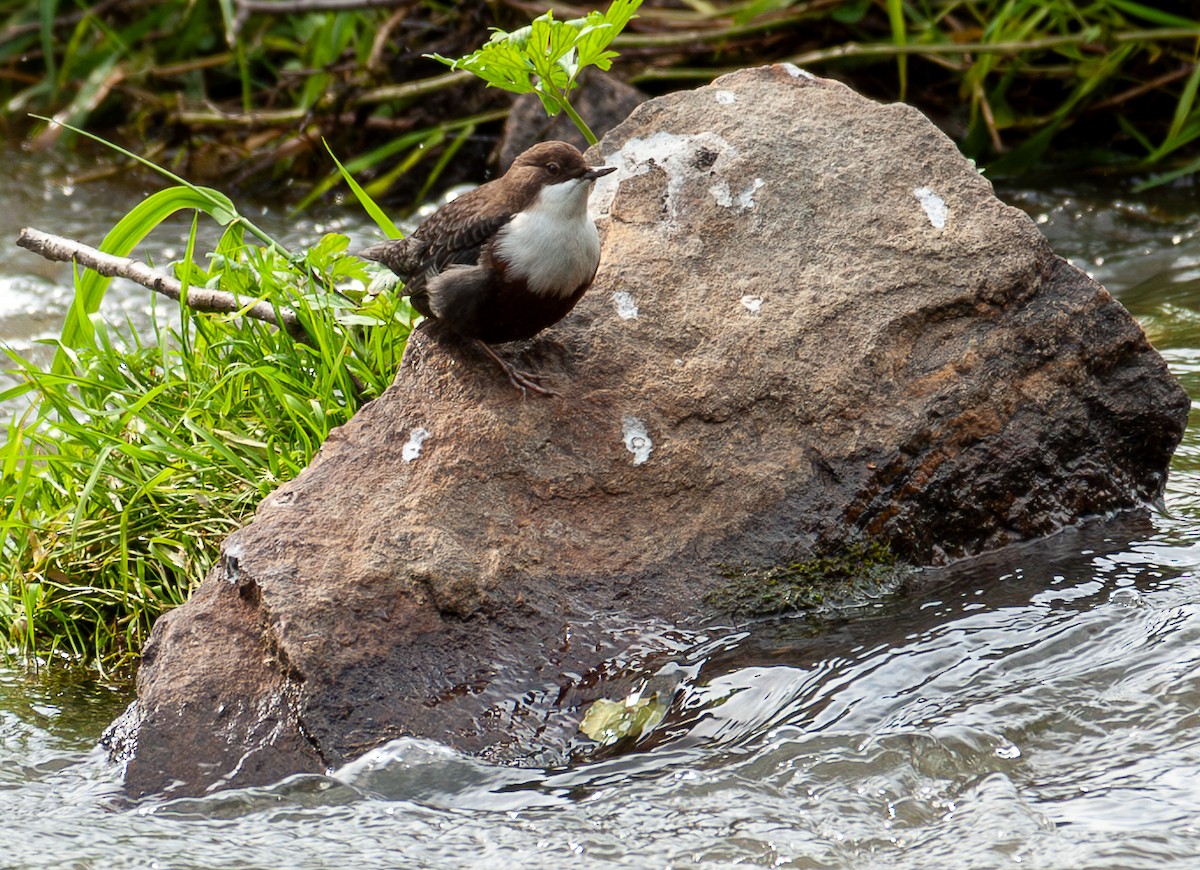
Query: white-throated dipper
{"x": 507, "y": 259}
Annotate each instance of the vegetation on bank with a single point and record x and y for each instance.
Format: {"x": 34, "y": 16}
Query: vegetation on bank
{"x": 245, "y": 90}
{"x": 137, "y": 455}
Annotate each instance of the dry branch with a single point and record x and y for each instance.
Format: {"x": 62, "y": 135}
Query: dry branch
{"x": 65, "y": 250}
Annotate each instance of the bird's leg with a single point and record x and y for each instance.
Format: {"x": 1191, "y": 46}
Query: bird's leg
{"x": 521, "y": 380}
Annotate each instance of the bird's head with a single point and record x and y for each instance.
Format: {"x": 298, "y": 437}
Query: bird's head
{"x": 555, "y": 163}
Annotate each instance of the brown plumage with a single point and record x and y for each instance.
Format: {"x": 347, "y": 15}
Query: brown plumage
{"x": 508, "y": 259}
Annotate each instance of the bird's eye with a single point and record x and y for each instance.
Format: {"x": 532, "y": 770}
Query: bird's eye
{"x": 552, "y": 168}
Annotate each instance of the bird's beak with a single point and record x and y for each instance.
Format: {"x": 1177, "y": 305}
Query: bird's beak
{"x": 597, "y": 171}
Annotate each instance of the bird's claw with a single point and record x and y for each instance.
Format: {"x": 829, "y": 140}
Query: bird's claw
{"x": 523, "y": 381}
{"x": 529, "y": 381}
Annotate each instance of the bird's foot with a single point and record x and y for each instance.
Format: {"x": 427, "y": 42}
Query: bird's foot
{"x": 522, "y": 380}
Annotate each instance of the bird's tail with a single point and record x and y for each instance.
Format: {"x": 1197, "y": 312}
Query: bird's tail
{"x": 400, "y": 255}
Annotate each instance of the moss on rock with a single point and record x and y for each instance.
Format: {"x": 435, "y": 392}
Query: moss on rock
{"x": 846, "y": 576}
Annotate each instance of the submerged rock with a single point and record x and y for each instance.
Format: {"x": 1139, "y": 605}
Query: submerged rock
{"x": 814, "y": 326}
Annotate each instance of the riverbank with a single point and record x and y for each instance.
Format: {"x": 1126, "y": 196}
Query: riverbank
{"x": 249, "y": 98}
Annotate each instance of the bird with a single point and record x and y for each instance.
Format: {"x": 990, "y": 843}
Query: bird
{"x": 507, "y": 259}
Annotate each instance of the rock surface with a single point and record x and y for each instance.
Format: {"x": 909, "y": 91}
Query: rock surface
{"x": 813, "y": 322}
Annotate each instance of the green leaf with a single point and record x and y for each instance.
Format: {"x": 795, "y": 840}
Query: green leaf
{"x": 377, "y": 214}
{"x": 46, "y": 13}
{"x": 1155, "y": 16}
{"x": 78, "y": 330}
{"x": 608, "y": 722}
{"x": 599, "y": 32}
{"x": 1167, "y": 177}
{"x": 1184, "y": 108}
{"x": 500, "y": 64}
{"x": 549, "y": 45}
{"x": 554, "y": 52}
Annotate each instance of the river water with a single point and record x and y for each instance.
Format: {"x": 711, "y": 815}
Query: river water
{"x": 1037, "y": 707}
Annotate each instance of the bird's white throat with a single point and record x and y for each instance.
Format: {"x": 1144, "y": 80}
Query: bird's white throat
{"x": 552, "y": 245}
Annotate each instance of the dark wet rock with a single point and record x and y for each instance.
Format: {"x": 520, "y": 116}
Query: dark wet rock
{"x": 813, "y": 324}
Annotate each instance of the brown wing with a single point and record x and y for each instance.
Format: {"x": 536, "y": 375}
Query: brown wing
{"x": 456, "y": 232}
{"x": 453, "y": 235}
{"x": 459, "y": 243}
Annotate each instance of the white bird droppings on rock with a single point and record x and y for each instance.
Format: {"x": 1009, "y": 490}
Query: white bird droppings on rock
{"x": 626, "y": 305}
{"x": 412, "y": 447}
{"x": 753, "y": 304}
{"x": 796, "y": 72}
{"x": 726, "y": 98}
{"x": 637, "y": 441}
{"x": 677, "y": 155}
{"x": 744, "y": 200}
{"x": 934, "y": 205}
{"x": 720, "y": 192}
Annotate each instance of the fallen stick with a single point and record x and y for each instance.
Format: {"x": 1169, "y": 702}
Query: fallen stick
{"x": 64, "y": 250}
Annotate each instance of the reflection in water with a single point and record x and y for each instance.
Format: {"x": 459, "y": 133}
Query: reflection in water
{"x": 1037, "y": 705}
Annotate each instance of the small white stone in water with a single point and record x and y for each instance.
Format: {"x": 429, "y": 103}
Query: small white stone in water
{"x": 412, "y": 447}
{"x": 726, "y": 98}
{"x": 626, "y": 305}
{"x": 1008, "y": 750}
{"x": 637, "y": 441}
{"x": 934, "y": 205}
{"x": 753, "y": 304}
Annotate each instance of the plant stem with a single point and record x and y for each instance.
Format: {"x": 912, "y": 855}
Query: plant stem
{"x": 579, "y": 122}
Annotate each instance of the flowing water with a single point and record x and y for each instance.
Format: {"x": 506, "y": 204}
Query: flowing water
{"x": 1037, "y": 707}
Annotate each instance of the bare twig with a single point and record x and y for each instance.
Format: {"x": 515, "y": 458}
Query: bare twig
{"x": 989, "y": 119}
{"x": 284, "y": 119}
{"x": 187, "y": 66}
{"x": 65, "y": 250}
{"x": 1143, "y": 88}
{"x": 413, "y": 90}
{"x": 380, "y": 45}
{"x": 928, "y": 50}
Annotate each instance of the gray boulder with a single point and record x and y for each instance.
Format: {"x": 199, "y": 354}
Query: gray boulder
{"x": 813, "y": 325}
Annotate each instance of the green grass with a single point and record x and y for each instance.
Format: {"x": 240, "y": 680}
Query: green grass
{"x": 136, "y": 456}
{"x": 252, "y": 97}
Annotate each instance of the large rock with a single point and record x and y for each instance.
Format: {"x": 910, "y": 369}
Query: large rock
{"x": 813, "y": 323}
